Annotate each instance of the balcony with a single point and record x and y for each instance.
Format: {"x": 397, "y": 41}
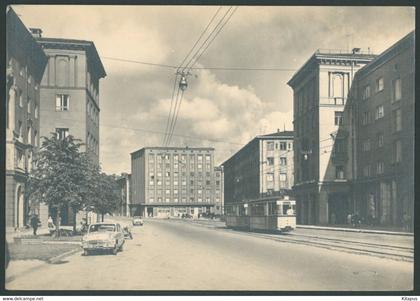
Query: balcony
{"x": 339, "y": 157}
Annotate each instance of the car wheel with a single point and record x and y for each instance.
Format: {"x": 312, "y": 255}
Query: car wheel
{"x": 122, "y": 248}
{"x": 86, "y": 252}
{"x": 115, "y": 250}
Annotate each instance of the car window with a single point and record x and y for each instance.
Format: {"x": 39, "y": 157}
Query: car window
{"x": 102, "y": 228}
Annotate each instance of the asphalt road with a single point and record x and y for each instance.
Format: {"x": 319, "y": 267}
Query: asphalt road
{"x": 169, "y": 255}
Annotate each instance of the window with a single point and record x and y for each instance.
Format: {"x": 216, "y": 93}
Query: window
{"x": 379, "y": 112}
{"x": 167, "y": 191}
{"x": 199, "y": 166}
{"x": 35, "y": 138}
{"x": 159, "y": 182}
{"x": 62, "y": 102}
{"x": 208, "y": 158}
{"x": 283, "y": 161}
{"x": 365, "y": 118}
{"x": 366, "y": 93}
{"x": 290, "y": 146}
{"x": 270, "y": 161}
{"x": 366, "y": 171}
{"x": 151, "y": 200}
{"x": 29, "y": 106}
{"x": 396, "y": 89}
{"x": 36, "y": 111}
{"x": 397, "y": 151}
{"x": 168, "y": 173}
{"x": 270, "y": 146}
{"x": 270, "y": 177}
{"x": 339, "y": 172}
{"x": 28, "y": 135}
{"x": 20, "y": 98}
{"x": 62, "y": 133}
{"x": 380, "y": 168}
{"x": 175, "y": 183}
{"x": 283, "y": 145}
{"x": 380, "y": 138}
{"x": 175, "y": 191}
{"x": 396, "y": 120}
{"x": 283, "y": 177}
{"x": 366, "y": 145}
{"x": 338, "y": 118}
{"x": 184, "y": 183}
{"x": 379, "y": 84}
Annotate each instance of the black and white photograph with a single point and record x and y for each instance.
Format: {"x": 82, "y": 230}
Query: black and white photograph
{"x": 209, "y": 148}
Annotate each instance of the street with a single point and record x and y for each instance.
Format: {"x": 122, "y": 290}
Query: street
{"x": 173, "y": 255}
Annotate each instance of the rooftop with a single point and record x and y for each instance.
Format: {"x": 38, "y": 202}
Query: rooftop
{"x": 72, "y": 44}
{"x": 162, "y": 148}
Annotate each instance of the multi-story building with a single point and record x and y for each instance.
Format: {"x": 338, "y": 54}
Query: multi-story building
{"x": 26, "y": 62}
{"x": 171, "y": 181}
{"x": 321, "y": 149}
{"x": 382, "y": 103}
{"x": 69, "y": 94}
{"x": 70, "y": 90}
{"x": 124, "y": 184}
{"x": 263, "y": 167}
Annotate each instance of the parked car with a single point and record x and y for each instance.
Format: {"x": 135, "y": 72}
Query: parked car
{"x": 103, "y": 236}
{"x": 137, "y": 221}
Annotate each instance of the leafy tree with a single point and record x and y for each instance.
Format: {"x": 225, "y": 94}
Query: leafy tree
{"x": 58, "y": 174}
{"x": 110, "y": 198}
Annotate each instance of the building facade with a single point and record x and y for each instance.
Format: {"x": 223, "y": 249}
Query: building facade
{"x": 321, "y": 150}
{"x": 124, "y": 184}
{"x": 170, "y": 181}
{"x": 70, "y": 91}
{"x": 382, "y": 100}
{"x": 26, "y": 62}
{"x": 263, "y": 167}
{"x": 69, "y": 95}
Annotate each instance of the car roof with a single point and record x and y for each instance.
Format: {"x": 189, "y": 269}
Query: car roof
{"x": 103, "y": 223}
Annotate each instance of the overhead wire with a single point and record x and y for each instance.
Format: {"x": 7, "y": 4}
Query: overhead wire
{"x": 171, "y": 115}
{"x": 194, "y": 60}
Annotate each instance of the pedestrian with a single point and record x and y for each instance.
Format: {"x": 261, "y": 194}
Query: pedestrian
{"x": 406, "y": 221}
{"x": 35, "y": 223}
{"x": 51, "y": 226}
{"x": 349, "y": 219}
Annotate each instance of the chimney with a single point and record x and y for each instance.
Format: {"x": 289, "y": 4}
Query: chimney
{"x": 36, "y": 32}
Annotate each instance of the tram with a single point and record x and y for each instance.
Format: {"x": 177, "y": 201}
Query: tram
{"x": 265, "y": 214}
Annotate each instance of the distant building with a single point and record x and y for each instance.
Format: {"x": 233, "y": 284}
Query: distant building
{"x": 70, "y": 94}
{"x": 171, "y": 181}
{"x": 124, "y": 184}
{"x": 26, "y": 62}
{"x": 321, "y": 149}
{"x": 263, "y": 167}
{"x": 382, "y": 103}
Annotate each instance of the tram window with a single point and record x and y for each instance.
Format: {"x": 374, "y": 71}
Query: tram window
{"x": 272, "y": 209}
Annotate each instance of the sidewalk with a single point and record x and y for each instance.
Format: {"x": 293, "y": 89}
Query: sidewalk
{"x": 361, "y": 229}
{"x": 11, "y": 233}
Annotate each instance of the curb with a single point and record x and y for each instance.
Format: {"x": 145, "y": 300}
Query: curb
{"x": 355, "y": 230}
{"x": 61, "y": 256}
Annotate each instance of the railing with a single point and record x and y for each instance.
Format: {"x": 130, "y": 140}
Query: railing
{"x": 342, "y": 51}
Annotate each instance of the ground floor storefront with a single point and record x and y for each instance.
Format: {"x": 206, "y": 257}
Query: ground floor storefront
{"x": 162, "y": 211}
{"x": 384, "y": 201}
{"x": 323, "y": 203}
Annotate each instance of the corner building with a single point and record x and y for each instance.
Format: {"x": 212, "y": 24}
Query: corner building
{"x": 69, "y": 95}
{"x": 382, "y": 100}
{"x": 26, "y": 62}
{"x": 171, "y": 181}
{"x": 70, "y": 90}
{"x": 321, "y": 142}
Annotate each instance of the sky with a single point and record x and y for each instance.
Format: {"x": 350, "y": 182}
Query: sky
{"x": 220, "y": 109}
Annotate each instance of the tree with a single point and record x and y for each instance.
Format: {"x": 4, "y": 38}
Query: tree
{"x": 107, "y": 198}
{"x": 58, "y": 174}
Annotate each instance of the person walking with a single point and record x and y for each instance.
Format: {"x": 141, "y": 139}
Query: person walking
{"x": 34, "y": 223}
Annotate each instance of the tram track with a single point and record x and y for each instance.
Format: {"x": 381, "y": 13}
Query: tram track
{"x": 399, "y": 253}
